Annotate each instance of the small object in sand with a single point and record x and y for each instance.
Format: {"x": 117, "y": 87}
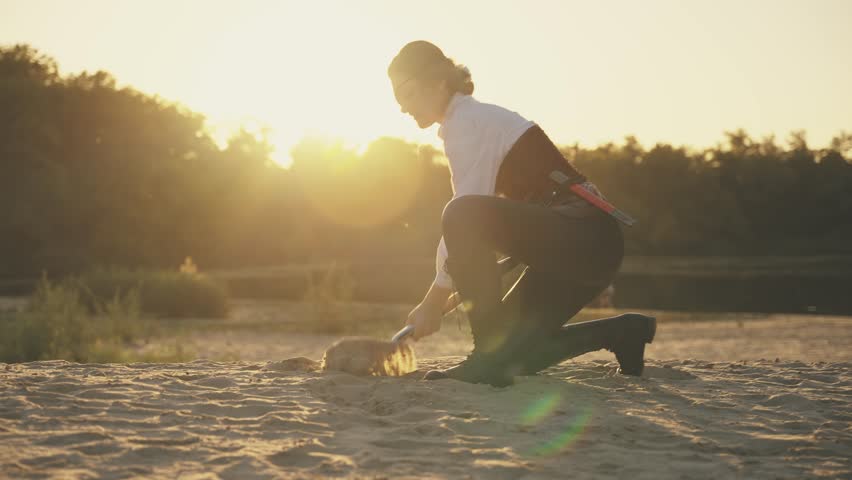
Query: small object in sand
{"x": 368, "y": 356}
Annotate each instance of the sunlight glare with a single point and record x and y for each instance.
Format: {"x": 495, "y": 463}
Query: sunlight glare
{"x": 300, "y": 72}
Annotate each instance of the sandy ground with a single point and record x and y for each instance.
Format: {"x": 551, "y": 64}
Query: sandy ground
{"x": 707, "y": 407}
{"x": 681, "y": 335}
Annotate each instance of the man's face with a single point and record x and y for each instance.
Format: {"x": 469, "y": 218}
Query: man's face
{"x": 423, "y": 102}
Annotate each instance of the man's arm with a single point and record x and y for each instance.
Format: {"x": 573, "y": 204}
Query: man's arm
{"x": 436, "y": 298}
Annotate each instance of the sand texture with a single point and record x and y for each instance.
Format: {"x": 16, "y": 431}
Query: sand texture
{"x": 285, "y": 419}
{"x": 755, "y": 397}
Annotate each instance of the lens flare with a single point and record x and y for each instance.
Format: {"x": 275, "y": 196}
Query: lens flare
{"x": 541, "y": 408}
{"x": 546, "y": 409}
{"x": 574, "y": 428}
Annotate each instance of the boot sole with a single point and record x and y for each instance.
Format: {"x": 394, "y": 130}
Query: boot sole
{"x": 631, "y": 359}
{"x": 494, "y": 381}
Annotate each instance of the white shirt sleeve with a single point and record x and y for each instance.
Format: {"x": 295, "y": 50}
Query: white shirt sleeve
{"x": 442, "y": 277}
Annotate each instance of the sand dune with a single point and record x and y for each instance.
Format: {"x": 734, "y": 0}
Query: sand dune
{"x": 252, "y": 420}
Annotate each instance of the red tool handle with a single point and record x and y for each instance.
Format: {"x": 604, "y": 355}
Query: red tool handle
{"x": 590, "y": 197}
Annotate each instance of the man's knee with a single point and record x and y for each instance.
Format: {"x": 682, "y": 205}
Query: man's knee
{"x": 460, "y": 213}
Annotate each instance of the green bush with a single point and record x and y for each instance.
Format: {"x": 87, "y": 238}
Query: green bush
{"x": 56, "y": 324}
{"x": 162, "y": 293}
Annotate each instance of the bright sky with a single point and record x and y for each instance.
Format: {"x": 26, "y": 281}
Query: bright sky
{"x": 590, "y": 72}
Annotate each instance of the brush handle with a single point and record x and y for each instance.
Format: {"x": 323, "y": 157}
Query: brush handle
{"x": 453, "y": 300}
{"x": 403, "y": 333}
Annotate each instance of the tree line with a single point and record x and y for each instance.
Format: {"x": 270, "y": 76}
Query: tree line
{"x": 93, "y": 174}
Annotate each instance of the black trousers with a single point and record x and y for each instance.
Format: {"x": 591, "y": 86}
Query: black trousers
{"x": 570, "y": 257}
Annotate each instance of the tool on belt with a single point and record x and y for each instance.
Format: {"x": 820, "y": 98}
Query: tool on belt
{"x": 575, "y": 185}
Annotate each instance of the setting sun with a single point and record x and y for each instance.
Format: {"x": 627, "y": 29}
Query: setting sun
{"x": 589, "y": 73}
{"x": 296, "y": 72}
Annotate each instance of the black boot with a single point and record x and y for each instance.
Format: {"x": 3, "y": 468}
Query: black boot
{"x": 479, "y": 284}
{"x": 484, "y": 364}
{"x": 474, "y": 369}
{"x": 625, "y": 335}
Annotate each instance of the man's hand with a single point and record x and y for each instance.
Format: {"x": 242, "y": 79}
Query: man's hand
{"x": 426, "y": 320}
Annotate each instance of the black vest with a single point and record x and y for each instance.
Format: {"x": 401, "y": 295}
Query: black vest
{"x": 525, "y": 172}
